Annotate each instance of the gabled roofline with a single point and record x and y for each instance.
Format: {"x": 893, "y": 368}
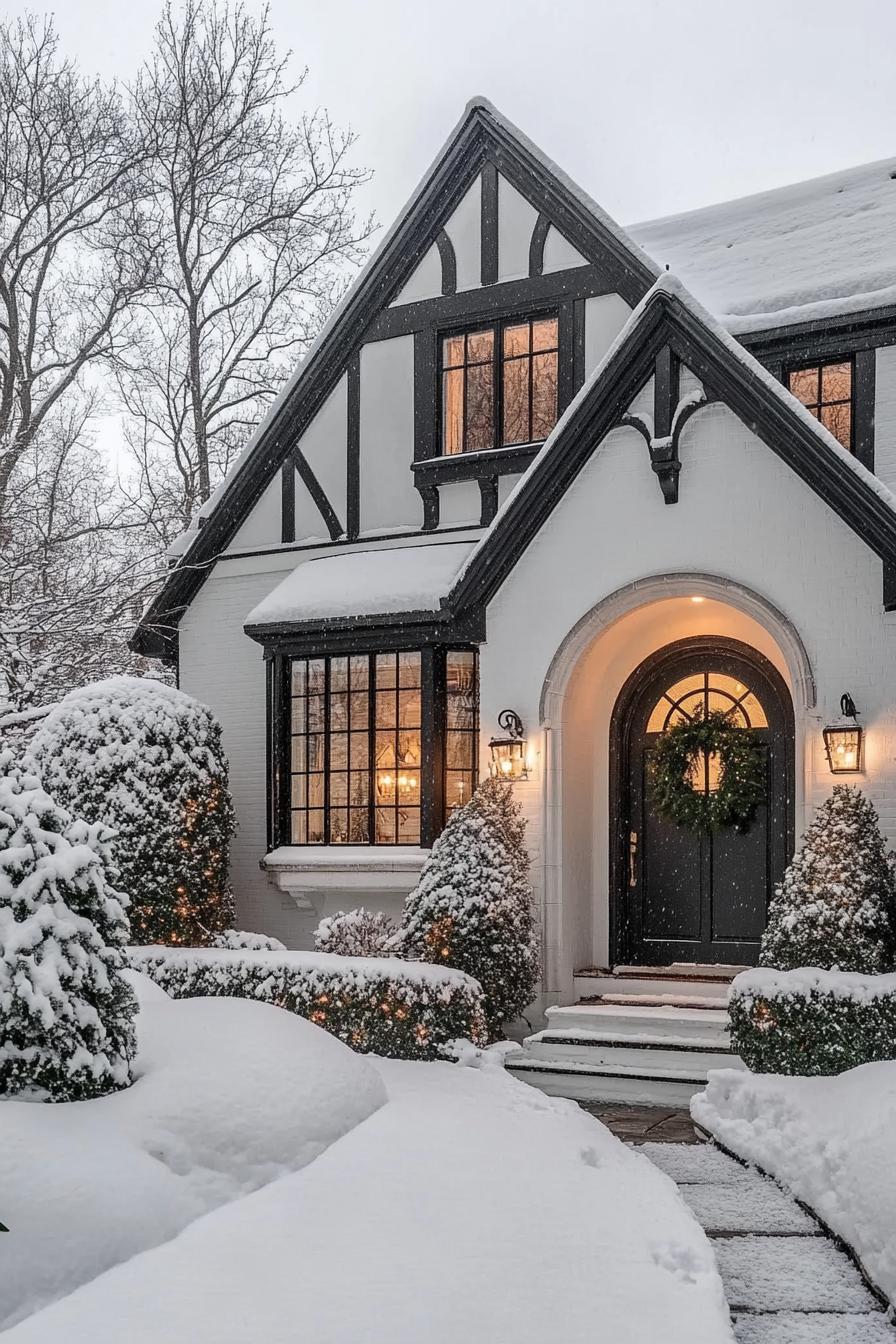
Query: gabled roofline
{"x": 482, "y": 134}
{"x": 670, "y": 316}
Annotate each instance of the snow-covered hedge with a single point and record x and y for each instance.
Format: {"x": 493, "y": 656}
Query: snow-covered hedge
{"x": 241, "y": 940}
{"x": 406, "y": 1010}
{"x": 812, "y": 1021}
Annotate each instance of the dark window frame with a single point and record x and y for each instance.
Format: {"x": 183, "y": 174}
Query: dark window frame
{"x": 497, "y": 326}
{"x": 820, "y": 363}
{"x": 434, "y": 768}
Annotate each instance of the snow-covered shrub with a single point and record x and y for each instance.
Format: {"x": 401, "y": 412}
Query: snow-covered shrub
{"x": 147, "y": 760}
{"x": 836, "y": 905}
{"x": 356, "y": 933}
{"x": 812, "y": 1021}
{"x": 66, "y": 1014}
{"x": 385, "y": 1007}
{"x": 472, "y": 907}
{"x": 240, "y": 940}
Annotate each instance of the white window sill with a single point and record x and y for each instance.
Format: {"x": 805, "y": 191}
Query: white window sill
{"x": 309, "y": 873}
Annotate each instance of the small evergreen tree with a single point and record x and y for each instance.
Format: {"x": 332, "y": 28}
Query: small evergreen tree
{"x": 66, "y": 1012}
{"x": 147, "y": 760}
{"x": 472, "y": 907}
{"x": 835, "y": 908}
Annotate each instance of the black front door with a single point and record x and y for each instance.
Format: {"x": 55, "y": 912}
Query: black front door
{"x": 683, "y": 896}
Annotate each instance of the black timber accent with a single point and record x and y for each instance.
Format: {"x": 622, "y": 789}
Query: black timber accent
{"x": 666, "y": 380}
{"x": 666, "y": 319}
{"x": 890, "y": 585}
{"x": 505, "y": 298}
{"x": 482, "y": 135}
{"x": 863, "y": 395}
{"x": 317, "y": 493}
{"x": 566, "y": 385}
{"x": 426, "y": 374}
{"x": 536, "y": 244}
{"x": 475, "y": 466}
{"x": 449, "y": 262}
{"x": 301, "y": 547}
{"x": 287, "y": 503}
{"x": 369, "y": 634}
{"x": 488, "y": 497}
{"x": 429, "y": 494}
{"x": 353, "y": 448}
{"x": 820, "y": 338}
{"x": 488, "y": 259}
{"x": 578, "y": 343}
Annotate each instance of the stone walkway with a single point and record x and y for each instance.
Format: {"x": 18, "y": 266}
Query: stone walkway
{"x": 786, "y": 1280}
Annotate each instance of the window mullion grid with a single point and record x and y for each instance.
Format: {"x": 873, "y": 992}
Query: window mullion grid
{"x": 531, "y": 382}
{"x": 371, "y": 749}
{"x": 498, "y": 385}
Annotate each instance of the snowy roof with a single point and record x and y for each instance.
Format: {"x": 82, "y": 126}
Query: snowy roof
{"x": 364, "y": 583}
{"x": 812, "y": 250}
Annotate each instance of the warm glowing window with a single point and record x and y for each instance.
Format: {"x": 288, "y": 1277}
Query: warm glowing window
{"x": 461, "y": 728}
{"x": 701, "y": 694}
{"x": 499, "y": 385}
{"x": 358, "y": 742}
{"x": 826, "y": 391}
{"x": 356, "y": 750}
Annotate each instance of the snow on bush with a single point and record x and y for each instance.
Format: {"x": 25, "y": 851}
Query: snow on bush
{"x": 147, "y": 760}
{"x": 828, "y": 1140}
{"x": 66, "y": 1014}
{"x": 836, "y": 905}
{"x": 812, "y": 1021}
{"x": 472, "y": 907}
{"x": 381, "y": 1006}
{"x": 228, "y": 1096}
{"x": 356, "y": 933}
{"x": 238, "y": 940}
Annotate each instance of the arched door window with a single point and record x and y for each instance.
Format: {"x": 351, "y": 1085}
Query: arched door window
{"x": 703, "y": 693}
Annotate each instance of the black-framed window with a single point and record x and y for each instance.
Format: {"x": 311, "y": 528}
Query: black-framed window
{"x": 827, "y": 390}
{"x": 499, "y": 384}
{"x": 381, "y": 746}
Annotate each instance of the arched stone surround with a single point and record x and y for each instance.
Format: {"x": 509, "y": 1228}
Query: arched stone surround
{"x": 579, "y": 692}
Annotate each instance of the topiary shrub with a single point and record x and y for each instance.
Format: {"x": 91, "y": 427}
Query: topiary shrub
{"x": 835, "y": 907}
{"x": 147, "y": 761}
{"x": 472, "y": 907}
{"x": 66, "y": 1014}
{"x": 356, "y": 933}
{"x": 812, "y": 1021}
{"x": 400, "y": 1009}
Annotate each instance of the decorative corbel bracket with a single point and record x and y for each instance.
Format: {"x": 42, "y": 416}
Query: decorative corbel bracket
{"x": 663, "y": 448}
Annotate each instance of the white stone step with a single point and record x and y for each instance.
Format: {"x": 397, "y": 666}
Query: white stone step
{"x": 591, "y": 984}
{"x": 700, "y": 1026}
{"x": 646, "y": 1054}
{"x": 585, "y": 1082}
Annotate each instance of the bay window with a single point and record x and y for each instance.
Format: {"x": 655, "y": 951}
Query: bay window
{"x": 379, "y": 748}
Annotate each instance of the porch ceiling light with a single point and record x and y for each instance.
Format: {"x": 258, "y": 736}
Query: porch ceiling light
{"x": 843, "y": 740}
{"x": 509, "y": 752}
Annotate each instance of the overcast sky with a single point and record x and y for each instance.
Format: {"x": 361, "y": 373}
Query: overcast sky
{"x": 652, "y": 107}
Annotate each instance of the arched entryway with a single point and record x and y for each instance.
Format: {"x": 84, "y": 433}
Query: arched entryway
{"x": 677, "y": 895}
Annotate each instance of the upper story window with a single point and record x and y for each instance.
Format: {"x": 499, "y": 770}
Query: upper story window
{"x": 826, "y": 390}
{"x": 499, "y": 385}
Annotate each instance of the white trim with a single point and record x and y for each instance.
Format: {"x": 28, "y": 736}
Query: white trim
{"x": 309, "y": 873}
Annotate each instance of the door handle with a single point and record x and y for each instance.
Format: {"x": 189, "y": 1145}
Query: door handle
{"x": 633, "y": 858}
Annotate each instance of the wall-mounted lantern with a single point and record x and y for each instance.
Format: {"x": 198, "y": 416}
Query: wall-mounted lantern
{"x": 843, "y": 740}
{"x": 509, "y": 752}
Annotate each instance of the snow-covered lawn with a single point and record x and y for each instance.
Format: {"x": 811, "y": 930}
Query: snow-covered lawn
{"x": 229, "y": 1095}
{"x": 831, "y": 1141}
{"x": 468, "y": 1208}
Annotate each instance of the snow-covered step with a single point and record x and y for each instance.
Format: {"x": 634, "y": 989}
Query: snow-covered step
{"x": 639, "y": 1020}
{"x": 596, "y": 1082}
{"x": 644, "y": 1054}
{"x": 588, "y": 984}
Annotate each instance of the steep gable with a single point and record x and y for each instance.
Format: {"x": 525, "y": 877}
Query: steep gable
{"x": 453, "y": 234}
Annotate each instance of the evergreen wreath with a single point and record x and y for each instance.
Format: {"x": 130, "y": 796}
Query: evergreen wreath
{"x": 742, "y": 774}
